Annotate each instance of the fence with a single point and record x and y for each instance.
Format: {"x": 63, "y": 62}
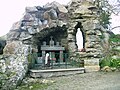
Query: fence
{"x": 54, "y": 61}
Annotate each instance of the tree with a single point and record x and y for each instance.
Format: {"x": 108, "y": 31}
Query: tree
{"x": 106, "y": 8}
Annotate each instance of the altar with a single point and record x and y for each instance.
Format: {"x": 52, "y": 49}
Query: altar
{"x": 52, "y": 48}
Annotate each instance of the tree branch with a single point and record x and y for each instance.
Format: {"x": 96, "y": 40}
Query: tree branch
{"x": 115, "y": 27}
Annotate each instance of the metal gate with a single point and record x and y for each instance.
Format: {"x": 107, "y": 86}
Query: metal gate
{"x": 54, "y": 62}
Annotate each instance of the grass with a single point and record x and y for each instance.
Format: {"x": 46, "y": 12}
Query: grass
{"x": 33, "y": 86}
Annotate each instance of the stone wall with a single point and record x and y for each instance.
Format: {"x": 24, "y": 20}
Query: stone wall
{"x": 84, "y": 15}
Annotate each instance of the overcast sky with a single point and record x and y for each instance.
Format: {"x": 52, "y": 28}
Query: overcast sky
{"x": 12, "y": 10}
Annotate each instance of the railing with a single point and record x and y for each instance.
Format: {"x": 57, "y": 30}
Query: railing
{"x": 54, "y": 61}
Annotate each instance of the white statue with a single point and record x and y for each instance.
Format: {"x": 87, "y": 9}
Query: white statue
{"x": 79, "y": 38}
{"x": 46, "y": 58}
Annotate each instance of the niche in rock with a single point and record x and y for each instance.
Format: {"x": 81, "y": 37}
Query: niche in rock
{"x": 59, "y": 36}
{"x": 56, "y": 49}
{"x": 80, "y": 39}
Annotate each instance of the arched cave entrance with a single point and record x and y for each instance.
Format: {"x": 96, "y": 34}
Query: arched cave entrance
{"x": 42, "y": 43}
{"x": 59, "y": 34}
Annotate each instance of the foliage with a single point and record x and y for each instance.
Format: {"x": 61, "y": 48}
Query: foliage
{"x": 105, "y": 14}
{"x": 115, "y": 38}
{"x": 106, "y": 9}
{"x": 30, "y": 59}
{"x": 111, "y": 62}
{"x": 109, "y": 5}
{"x": 4, "y": 80}
{"x": 3, "y": 38}
{"x": 75, "y": 63}
{"x": 115, "y": 63}
{"x": 105, "y": 19}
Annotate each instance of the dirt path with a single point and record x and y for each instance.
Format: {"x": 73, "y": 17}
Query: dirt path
{"x": 87, "y": 81}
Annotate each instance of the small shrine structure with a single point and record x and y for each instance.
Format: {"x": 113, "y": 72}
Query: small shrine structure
{"x": 51, "y": 49}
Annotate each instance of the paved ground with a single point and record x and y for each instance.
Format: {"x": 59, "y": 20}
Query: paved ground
{"x": 87, "y": 81}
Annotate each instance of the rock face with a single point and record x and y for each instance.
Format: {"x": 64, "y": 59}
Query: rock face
{"x": 13, "y": 70}
{"x": 61, "y": 22}
{"x": 14, "y": 64}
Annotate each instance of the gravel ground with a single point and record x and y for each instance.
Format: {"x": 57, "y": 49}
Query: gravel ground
{"x": 87, "y": 81}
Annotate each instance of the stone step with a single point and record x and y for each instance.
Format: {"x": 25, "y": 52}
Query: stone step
{"x": 91, "y": 54}
{"x": 55, "y": 72}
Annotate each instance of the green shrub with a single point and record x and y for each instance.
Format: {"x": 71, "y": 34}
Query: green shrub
{"x": 115, "y": 38}
{"x": 110, "y": 62}
{"x": 115, "y": 63}
{"x": 105, "y": 62}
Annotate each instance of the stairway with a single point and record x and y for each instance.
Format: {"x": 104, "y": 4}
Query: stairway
{"x": 55, "y": 72}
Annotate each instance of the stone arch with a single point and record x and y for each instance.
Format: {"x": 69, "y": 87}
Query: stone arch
{"x": 59, "y": 35}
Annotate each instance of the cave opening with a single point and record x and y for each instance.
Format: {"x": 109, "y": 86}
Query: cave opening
{"x": 58, "y": 50}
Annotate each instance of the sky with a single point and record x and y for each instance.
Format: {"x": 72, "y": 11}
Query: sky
{"x": 13, "y": 10}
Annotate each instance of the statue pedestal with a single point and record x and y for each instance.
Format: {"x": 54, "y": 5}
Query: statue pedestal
{"x": 91, "y": 65}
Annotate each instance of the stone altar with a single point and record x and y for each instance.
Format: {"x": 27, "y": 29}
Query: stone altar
{"x": 52, "y": 48}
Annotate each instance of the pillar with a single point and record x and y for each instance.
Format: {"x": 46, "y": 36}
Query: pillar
{"x": 61, "y": 56}
{"x": 72, "y": 37}
{"x": 43, "y": 55}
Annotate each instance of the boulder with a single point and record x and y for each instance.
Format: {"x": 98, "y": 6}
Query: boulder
{"x": 56, "y": 5}
{"x": 39, "y": 8}
{"x": 45, "y": 22}
{"x": 16, "y": 25}
{"x": 39, "y": 23}
{"x": 106, "y": 69}
{"x": 90, "y": 25}
{"x": 39, "y": 14}
{"x": 117, "y": 48}
{"x": 53, "y": 14}
{"x": 14, "y": 69}
{"x": 62, "y": 9}
{"x": 115, "y": 57}
{"x": 13, "y": 35}
{"x": 25, "y": 36}
{"x": 82, "y": 10}
{"x": 28, "y": 17}
{"x": 31, "y": 30}
{"x": 31, "y": 9}
{"x": 61, "y": 23}
{"x": 16, "y": 48}
{"x": 14, "y": 64}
